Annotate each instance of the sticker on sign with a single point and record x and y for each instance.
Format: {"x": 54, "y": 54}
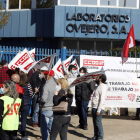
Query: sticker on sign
{"x": 89, "y": 62}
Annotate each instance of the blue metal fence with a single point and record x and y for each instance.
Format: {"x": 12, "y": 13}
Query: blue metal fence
{"x": 9, "y": 52}
{"x": 100, "y": 53}
{"x": 76, "y": 53}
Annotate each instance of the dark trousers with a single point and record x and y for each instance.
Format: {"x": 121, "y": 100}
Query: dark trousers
{"x": 82, "y": 111}
{"x": 24, "y": 115}
{"x": 60, "y": 125}
{"x": 97, "y": 122}
{"x": 6, "y": 135}
{"x": 138, "y": 112}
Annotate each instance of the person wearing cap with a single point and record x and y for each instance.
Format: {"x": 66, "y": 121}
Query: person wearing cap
{"x": 47, "y": 104}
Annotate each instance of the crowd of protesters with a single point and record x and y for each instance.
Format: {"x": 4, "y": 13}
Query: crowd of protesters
{"x": 40, "y": 92}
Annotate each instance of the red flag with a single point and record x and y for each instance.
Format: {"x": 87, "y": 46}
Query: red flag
{"x": 129, "y": 43}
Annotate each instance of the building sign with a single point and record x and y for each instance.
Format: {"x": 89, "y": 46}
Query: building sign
{"x": 95, "y": 22}
{"x": 94, "y": 27}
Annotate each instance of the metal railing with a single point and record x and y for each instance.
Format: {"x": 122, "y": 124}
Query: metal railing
{"x": 9, "y": 52}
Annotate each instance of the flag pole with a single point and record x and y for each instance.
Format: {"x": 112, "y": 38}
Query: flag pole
{"x": 136, "y": 62}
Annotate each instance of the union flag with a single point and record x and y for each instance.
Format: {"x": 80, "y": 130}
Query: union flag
{"x": 129, "y": 43}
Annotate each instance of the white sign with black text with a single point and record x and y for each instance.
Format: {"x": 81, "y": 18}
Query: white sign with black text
{"x": 123, "y": 84}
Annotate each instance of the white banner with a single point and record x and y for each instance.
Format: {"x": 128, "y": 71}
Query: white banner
{"x": 123, "y": 92}
{"x": 58, "y": 70}
{"x": 123, "y": 84}
{"x": 85, "y": 78}
{"x": 11, "y": 64}
{"x": 22, "y": 60}
{"x": 45, "y": 63}
{"x": 26, "y": 68}
{"x": 113, "y": 65}
{"x": 32, "y": 53}
{"x": 66, "y": 64}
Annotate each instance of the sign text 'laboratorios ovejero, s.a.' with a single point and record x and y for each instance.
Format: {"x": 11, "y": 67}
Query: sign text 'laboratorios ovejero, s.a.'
{"x": 94, "y": 27}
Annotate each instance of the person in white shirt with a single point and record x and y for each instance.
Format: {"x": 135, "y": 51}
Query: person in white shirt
{"x": 98, "y": 102}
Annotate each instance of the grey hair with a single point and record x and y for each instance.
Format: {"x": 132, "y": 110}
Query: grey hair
{"x": 12, "y": 92}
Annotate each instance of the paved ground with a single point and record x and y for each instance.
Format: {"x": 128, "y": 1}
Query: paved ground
{"x": 115, "y": 128}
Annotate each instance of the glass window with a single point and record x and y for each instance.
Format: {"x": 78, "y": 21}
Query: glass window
{"x": 89, "y": 2}
{"x": 127, "y": 3}
{"x": 44, "y": 3}
{"x": 108, "y": 2}
{"x": 13, "y": 4}
{"x": 25, "y": 4}
{"x": 69, "y": 2}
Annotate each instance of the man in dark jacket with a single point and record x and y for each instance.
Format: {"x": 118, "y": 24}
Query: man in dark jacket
{"x": 36, "y": 83}
{"x": 83, "y": 93}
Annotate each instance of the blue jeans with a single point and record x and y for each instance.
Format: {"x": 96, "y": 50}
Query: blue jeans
{"x": 97, "y": 122}
{"x": 24, "y": 115}
{"x": 82, "y": 111}
{"x": 46, "y": 124}
{"x": 30, "y": 110}
{"x": 36, "y": 110}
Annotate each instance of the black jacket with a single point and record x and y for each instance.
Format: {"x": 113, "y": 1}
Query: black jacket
{"x": 36, "y": 80}
{"x": 26, "y": 96}
{"x": 1, "y": 111}
{"x": 83, "y": 91}
{"x": 57, "y": 99}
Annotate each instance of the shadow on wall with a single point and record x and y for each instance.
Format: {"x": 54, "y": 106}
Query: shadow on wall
{"x": 42, "y": 22}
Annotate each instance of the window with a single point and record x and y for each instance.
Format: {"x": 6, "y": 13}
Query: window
{"x": 108, "y": 2}
{"x": 25, "y": 4}
{"x": 13, "y": 4}
{"x": 28, "y": 4}
{"x": 44, "y": 3}
{"x": 69, "y": 2}
{"x": 128, "y": 3}
{"x": 89, "y": 2}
